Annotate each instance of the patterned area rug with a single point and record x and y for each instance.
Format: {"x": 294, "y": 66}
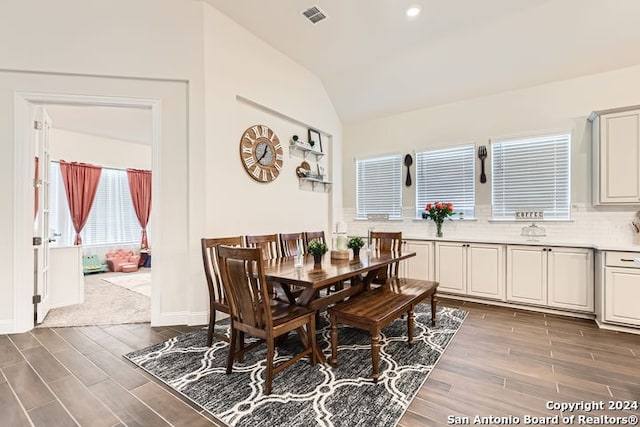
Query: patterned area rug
{"x": 304, "y": 394}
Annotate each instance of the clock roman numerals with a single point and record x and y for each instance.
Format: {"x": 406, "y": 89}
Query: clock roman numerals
{"x": 261, "y": 153}
{"x": 249, "y": 161}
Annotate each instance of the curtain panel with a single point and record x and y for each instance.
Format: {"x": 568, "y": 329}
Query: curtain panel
{"x": 140, "y": 187}
{"x": 80, "y": 183}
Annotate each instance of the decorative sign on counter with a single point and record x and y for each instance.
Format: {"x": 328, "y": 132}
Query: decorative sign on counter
{"x": 529, "y": 215}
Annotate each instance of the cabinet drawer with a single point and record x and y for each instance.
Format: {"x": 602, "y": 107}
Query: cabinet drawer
{"x": 622, "y": 259}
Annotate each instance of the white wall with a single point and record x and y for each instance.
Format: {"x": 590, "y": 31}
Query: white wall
{"x": 196, "y": 62}
{"x": 563, "y": 105}
{"x": 106, "y": 152}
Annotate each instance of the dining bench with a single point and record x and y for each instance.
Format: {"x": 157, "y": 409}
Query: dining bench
{"x": 373, "y": 310}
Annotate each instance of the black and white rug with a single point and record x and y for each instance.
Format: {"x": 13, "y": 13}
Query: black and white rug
{"x": 303, "y": 394}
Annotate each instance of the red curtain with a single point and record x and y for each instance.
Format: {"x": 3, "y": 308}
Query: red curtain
{"x": 37, "y": 187}
{"x": 140, "y": 188}
{"x": 80, "y": 182}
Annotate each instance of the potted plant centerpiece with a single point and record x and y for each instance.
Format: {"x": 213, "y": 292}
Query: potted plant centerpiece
{"x": 317, "y": 249}
{"x": 355, "y": 243}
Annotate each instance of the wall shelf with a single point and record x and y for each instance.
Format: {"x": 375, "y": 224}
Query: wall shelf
{"x": 299, "y": 149}
{"x": 326, "y": 185}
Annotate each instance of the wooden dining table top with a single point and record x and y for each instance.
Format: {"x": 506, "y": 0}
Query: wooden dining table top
{"x": 283, "y": 269}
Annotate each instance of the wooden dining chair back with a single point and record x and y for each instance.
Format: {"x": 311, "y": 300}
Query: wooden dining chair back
{"x": 217, "y": 298}
{"x": 267, "y": 243}
{"x": 386, "y": 241}
{"x": 289, "y": 244}
{"x": 253, "y": 312}
{"x": 311, "y": 235}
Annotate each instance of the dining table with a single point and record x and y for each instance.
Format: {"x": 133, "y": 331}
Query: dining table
{"x": 312, "y": 278}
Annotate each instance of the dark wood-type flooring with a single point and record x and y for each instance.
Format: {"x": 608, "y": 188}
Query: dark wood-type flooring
{"x": 503, "y": 362}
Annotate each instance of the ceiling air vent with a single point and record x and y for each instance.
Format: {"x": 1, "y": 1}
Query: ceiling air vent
{"x": 314, "y": 14}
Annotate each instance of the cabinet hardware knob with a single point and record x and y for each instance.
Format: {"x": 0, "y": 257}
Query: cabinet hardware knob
{"x": 549, "y": 249}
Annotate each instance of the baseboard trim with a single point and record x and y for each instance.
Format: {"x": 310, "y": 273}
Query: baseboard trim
{"x": 560, "y": 312}
{"x": 182, "y": 318}
{"x": 7, "y": 327}
{"x": 618, "y": 328}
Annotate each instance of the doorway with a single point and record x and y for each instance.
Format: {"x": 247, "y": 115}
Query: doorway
{"x": 95, "y": 117}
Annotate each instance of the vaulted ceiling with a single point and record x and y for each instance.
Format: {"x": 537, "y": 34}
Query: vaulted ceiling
{"x": 374, "y": 61}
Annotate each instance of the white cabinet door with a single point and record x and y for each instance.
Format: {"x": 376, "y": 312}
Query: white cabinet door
{"x": 617, "y": 155}
{"x": 451, "y": 267}
{"x": 420, "y": 266}
{"x": 622, "y": 293}
{"x": 570, "y": 278}
{"x": 527, "y": 274}
{"x": 485, "y": 270}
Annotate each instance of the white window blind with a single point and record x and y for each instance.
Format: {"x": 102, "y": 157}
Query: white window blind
{"x": 112, "y": 219}
{"x": 531, "y": 174}
{"x": 446, "y": 175}
{"x": 379, "y": 187}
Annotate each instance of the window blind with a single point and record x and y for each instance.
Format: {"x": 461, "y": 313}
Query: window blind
{"x": 112, "y": 219}
{"x": 446, "y": 175}
{"x": 531, "y": 174}
{"x": 379, "y": 187}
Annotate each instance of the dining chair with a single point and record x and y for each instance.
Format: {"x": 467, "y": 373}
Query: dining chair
{"x": 289, "y": 244}
{"x": 310, "y": 235}
{"x": 387, "y": 241}
{"x": 217, "y": 298}
{"x": 269, "y": 246}
{"x": 267, "y": 243}
{"x": 254, "y": 313}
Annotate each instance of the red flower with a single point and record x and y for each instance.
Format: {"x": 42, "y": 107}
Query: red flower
{"x": 428, "y": 207}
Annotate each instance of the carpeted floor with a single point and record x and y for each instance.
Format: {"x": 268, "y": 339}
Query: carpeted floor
{"x": 304, "y": 394}
{"x": 136, "y": 282}
{"x": 104, "y": 304}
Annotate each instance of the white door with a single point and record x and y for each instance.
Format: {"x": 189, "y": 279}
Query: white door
{"x": 527, "y": 274}
{"x": 42, "y": 300}
{"x": 485, "y": 270}
{"x": 451, "y": 267}
{"x": 570, "y": 278}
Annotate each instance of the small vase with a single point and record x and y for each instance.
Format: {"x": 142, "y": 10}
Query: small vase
{"x": 438, "y": 229}
{"x": 356, "y": 252}
{"x": 317, "y": 259}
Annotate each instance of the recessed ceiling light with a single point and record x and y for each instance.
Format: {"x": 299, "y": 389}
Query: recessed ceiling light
{"x": 413, "y": 11}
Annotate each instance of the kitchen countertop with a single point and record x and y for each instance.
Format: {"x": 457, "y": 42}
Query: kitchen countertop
{"x": 541, "y": 242}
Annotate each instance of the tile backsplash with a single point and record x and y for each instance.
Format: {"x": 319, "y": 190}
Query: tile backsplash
{"x": 602, "y": 226}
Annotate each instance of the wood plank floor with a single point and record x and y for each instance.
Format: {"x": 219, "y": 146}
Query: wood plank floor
{"x": 502, "y": 363}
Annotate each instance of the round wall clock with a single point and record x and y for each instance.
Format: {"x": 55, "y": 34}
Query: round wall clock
{"x": 261, "y": 153}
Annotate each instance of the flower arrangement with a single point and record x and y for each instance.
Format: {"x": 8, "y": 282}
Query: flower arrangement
{"x": 317, "y": 248}
{"x": 355, "y": 243}
{"x": 438, "y": 212}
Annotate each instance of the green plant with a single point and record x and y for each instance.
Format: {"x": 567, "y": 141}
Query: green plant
{"x": 355, "y": 242}
{"x": 439, "y": 211}
{"x": 316, "y": 247}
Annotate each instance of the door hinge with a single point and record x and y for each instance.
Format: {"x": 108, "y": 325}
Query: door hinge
{"x": 37, "y": 183}
{"x": 37, "y": 125}
{"x": 37, "y": 299}
{"x": 37, "y": 241}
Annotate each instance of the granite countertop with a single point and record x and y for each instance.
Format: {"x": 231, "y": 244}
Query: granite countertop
{"x": 541, "y": 242}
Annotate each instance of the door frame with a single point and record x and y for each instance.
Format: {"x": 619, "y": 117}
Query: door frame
{"x": 24, "y": 153}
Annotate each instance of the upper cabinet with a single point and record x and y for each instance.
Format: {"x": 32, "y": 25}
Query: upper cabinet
{"x": 616, "y": 155}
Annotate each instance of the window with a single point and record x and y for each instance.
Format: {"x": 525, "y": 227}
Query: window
{"x": 379, "y": 187}
{"x": 112, "y": 219}
{"x": 447, "y": 175}
{"x": 531, "y": 174}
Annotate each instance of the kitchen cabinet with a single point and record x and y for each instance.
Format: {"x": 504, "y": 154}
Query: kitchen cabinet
{"x": 616, "y": 156}
{"x": 473, "y": 269}
{"x": 555, "y": 277}
{"x": 622, "y": 288}
{"x": 421, "y": 265}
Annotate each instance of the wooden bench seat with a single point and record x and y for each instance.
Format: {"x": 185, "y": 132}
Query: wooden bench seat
{"x": 375, "y": 309}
